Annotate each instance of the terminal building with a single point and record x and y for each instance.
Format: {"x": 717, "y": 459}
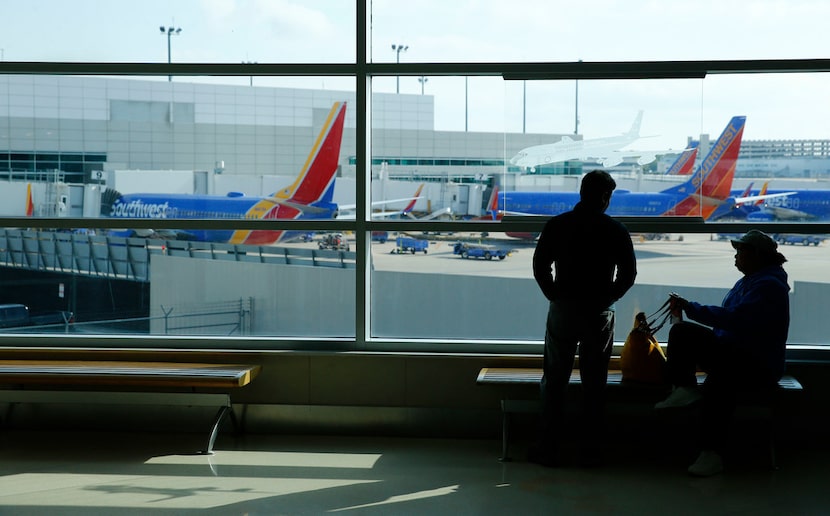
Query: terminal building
{"x": 217, "y": 138}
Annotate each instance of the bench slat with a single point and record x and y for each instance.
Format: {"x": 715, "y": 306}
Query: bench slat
{"x": 113, "y": 373}
{"x": 530, "y": 375}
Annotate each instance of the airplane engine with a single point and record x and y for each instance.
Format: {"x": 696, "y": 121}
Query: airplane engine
{"x": 760, "y": 216}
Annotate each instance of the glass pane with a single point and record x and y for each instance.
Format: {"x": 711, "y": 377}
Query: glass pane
{"x": 84, "y": 142}
{"x": 190, "y": 31}
{"x": 594, "y": 30}
{"x": 147, "y": 148}
{"x": 437, "y": 293}
{"x": 93, "y": 282}
{"x": 670, "y": 137}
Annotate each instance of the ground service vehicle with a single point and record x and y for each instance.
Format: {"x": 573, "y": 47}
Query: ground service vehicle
{"x": 488, "y": 252}
{"x": 408, "y": 244}
{"x": 334, "y": 241}
{"x": 799, "y": 239}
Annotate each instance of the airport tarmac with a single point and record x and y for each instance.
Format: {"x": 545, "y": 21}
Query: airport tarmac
{"x": 699, "y": 260}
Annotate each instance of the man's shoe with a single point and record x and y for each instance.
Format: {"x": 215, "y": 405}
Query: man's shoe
{"x": 708, "y": 463}
{"x": 680, "y": 397}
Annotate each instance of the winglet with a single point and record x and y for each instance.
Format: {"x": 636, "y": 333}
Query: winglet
{"x": 30, "y": 206}
{"x": 763, "y": 192}
{"x": 412, "y": 202}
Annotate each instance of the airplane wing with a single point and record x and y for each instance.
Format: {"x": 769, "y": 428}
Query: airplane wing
{"x": 353, "y": 207}
{"x": 411, "y": 200}
{"x": 756, "y": 198}
{"x": 643, "y": 157}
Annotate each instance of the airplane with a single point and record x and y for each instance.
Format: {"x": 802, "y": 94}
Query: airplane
{"x": 782, "y": 206}
{"x": 792, "y": 206}
{"x": 707, "y": 190}
{"x": 682, "y": 165}
{"x": 607, "y": 150}
{"x": 778, "y": 205}
{"x": 308, "y": 197}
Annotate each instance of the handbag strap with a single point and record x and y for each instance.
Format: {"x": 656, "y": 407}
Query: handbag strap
{"x": 664, "y": 311}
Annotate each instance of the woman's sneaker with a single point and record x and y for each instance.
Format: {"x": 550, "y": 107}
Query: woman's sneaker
{"x": 680, "y": 397}
{"x": 708, "y": 463}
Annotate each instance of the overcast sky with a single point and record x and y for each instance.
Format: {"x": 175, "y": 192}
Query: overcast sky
{"x": 479, "y": 30}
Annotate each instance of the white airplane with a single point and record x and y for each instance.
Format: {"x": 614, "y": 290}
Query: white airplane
{"x": 607, "y": 150}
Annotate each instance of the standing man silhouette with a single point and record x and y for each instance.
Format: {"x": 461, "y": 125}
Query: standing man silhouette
{"x": 584, "y": 262}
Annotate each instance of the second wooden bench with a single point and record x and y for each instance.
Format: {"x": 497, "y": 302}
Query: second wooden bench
{"x": 524, "y": 376}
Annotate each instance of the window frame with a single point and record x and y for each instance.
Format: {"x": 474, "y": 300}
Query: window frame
{"x": 363, "y": 71}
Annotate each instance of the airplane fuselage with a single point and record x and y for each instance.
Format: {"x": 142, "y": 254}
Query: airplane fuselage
{"x": 177, "y": 206}
{"x": 813, "y": 205}
{"x": 623, "y": 203}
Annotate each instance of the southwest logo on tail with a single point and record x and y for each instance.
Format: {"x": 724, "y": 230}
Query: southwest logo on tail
{"x": 706, "y": 190}
{"x": 712, "y": 182}
{"x": 308, "y": 197}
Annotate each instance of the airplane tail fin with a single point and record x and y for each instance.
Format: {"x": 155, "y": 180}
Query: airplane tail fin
{"x": 317, "y": 174}
{"x": 30, "y": 205}
{"x": 710, "y": 185}
{"x": 684, "y": 163}
{"x": 493, "y": 203}
{"x": 635, "y": 126}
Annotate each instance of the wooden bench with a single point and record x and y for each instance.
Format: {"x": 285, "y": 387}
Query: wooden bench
{"x": 117, "y": 382}
{"x": 512, "y": 377}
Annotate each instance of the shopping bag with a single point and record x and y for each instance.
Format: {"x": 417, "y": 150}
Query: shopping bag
{"x": 643, "y": 359}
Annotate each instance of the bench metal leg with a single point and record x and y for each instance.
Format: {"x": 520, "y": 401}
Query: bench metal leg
{"x": 223, "y": 411}
{"x": 505, "y": 437}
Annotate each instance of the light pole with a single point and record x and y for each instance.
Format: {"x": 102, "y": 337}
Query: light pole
{"x": 170, "y": 31}
{"x": 576, "y": 105}
{"x": 466, "y": 110}
{"x": 251, "y": 77}
{"x": 423, "y": 80}
{"x": 399, "y": 49}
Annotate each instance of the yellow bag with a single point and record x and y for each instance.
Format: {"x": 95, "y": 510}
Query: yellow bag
{"x": 642, "y": 359}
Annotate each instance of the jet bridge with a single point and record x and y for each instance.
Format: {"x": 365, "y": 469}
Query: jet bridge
{"x": 129, "y": 258}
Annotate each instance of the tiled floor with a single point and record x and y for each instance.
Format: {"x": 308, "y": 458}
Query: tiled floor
{"x": 120, "y": 473}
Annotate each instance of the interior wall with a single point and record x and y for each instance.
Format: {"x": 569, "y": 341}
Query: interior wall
{"x": 383, "y": 394}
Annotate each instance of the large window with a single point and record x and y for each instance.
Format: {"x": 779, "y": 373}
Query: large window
{"x": 298, "y": 176}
